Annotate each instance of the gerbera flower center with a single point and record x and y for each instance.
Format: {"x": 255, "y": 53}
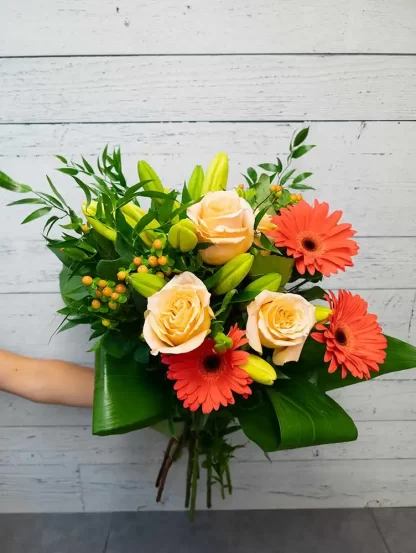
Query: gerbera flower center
{"x": 212, "y": 363}
{"x": 341, "y": 337}
{"x": 309, "y": 244}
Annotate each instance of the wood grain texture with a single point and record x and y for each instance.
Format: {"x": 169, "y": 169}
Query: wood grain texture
{"x": 283, "y": 484}
{"x": 39, "y": 489}
{"x": 207, "y": 88}
{"x": 200, "y": 26}
{"x": 354, "y": 165}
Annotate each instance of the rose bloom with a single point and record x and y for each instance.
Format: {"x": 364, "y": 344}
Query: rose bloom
{"x": 178, "y": 318}
{"x": 268, "y": 228}
{"x": 227, "y": 221}
{"x": 281, "y": 322}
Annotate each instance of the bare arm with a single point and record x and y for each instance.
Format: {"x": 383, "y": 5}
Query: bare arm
{"x": 46, "y": 381}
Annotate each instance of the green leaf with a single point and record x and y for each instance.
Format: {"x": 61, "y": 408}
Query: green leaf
{"x": 301, "y": 177}
{"x": 308, "y": 417}
{"x": 87, "y": 166}
{"x": 301, "y": 151}
{"x": 131, "y": 193}
{"x": 49, "y": 224}
{"x": 300, "y": 137}
{"x": 55, "y": 191}
{"x": 260, "y": 215}
{"x": 314, "y": 293}
{"x": 141, "y": 354}
{"x": 36, "y": 214}
{"x": 252, "y": 174}
{"x": 287, "y": 176}
{"x": 263, "y": 188}
{"x": 9, "y": 184}
{"x": 27, "y": 201}
{"x": 267, "y": 245}
{"x": 263, "y": 265}
{"x": 126, "y": 396}
{"x": 301, "y": 187}
{"x": 144, "y": 221}
{"x": 75, "y": 253}
{"x": 272, "y": 167}
{"x": 85, "y": 189}
{"x": 122, "y": 341}
{"x": 62, "y": 158}
{"x": 68, "y": 171}
{"x": 260, "y": 424}
{"x": 67, "y": 283}
{"x": 108, "y": 268}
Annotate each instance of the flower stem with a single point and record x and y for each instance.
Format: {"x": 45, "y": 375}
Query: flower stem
{"x": 195, "y": 471}
{"x": 189, "y": 472}
{"x": 165, "y": 459}
{"x": 228, "y": 477}
{"x": 209, "y": 480}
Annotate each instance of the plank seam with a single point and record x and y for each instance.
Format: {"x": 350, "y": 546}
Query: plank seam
{"x": 215, "y": 54}
{"x": 214, "y": 121}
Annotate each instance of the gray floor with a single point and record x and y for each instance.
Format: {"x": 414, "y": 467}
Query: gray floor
{"x": 308, "y": 531}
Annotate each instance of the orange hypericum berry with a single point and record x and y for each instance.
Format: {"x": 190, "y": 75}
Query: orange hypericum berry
{"x": 121, "y": 275}
{"x": 85, "y": 228}
{"x": 102, "y": 283}
{"x": 152, "y": 260}
{"x": 86, "y": 280}
{"x": 98, "y": 293}
{"x": 142, "y": 269}
{"x": 299, "y": 197}
{"x": 121, "y": 289}
{"x": 160, "y": 274}
{"x": 162, "y": 260}
{"x": 168, "y": 271}
{"x": 137, "y": 261}
{"x": 115, "y": 296}
{"x": 279, "y": 193}
{"x": 273, "y": 188}
{"x": 293, "y": 197}
{"x": 106, "y": 322}
{"x": 107, "y": 291}
{"x": 112, "y": 305}
{"x": 95, "y": 304}
{"x": 157, "y": 244}
{"x": 241, "y": 186}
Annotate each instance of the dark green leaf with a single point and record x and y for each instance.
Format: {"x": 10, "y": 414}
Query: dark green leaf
{"x": 87, "y": 166}
{"x": 131, "y": 193}
{"x": 301, "y": 177}
{"x": 108, "y": 211}
{"x": 314, "y": 293}
{"x": 308, "y": 417}
{"x": 61, "y": 158}
{"x": 260, "y": 424}
{"x": 141, "y": 354}
{"x": 9, "y": 184}
{"x": 51, "y": 200}
{"x": 272, "y": 167}
{"x": 301, "y": 187}
{"x": 286, "y": 176}
{"x": 120, "y": 343}
{"x": 252, "y": 174}
{"x": 124, "y": 248}
{"x": 36, "y": 214}
{"x": 126, "y": 396}
{"x": 108, "y": 269}
{"x": 260, "y": 215}
{"x": 67, "y": 283}
{"x": 85, "y": 189}
{"x": 49, "y": 224}
{"x": 267, "y": 245}
{"x": 75, "y": 253}
{"x": 301, "y": 151}
{"x": 300, "y": 137}
{"x": 68, "y": 171}
{"x": 144, "y": 221}
{"x": 55, "y": 191}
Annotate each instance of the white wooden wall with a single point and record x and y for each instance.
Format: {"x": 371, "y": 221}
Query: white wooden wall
{"x": 174, "y": 82}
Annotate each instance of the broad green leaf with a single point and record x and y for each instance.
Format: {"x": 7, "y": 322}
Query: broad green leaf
{"x": 108, "y": 268}
{"x": 263, "y": 189}
{"x": 36, "y": 215}
{"x": 75, "y": 253}
{"x": 259, "y": 423}
{"x": 311, "y": 366}
{"x": 252, "y": 174}
{"x": 314, "y": 293}
{"x": 307, "y": 417}
{"x": 122, "y": 341}
{"x": 300, "y": 137}
{"x": 68, "y": 283}
{"x": 126, "y": 396}
{"x": 301, "y": 151}
{"x": 263, "y": 265}
{"x": 9, "y": 184}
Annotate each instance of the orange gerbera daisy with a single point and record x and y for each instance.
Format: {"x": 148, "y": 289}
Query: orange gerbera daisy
{"x": 314, "y": 238}
{"x": 353, "y": 338}
{"x": 207, "y": 379}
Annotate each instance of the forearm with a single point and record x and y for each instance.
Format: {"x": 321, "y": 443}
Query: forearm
{"x": 46, "y": 381}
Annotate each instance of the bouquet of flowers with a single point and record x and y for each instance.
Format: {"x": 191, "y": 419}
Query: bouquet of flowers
{"x": 201, "y": 308}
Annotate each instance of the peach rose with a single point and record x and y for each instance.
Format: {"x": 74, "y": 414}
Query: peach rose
{"x": 227, "y": 221}
{"x": 267, "y": 227}
{"x": 281, "y": 322}
{"x": 178, "y": 318}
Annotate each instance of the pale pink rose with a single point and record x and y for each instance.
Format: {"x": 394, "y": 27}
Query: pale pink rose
{"x": 227, "y": 221}
{"x": 281, "y": 322}
{"x": 178, "y": 318}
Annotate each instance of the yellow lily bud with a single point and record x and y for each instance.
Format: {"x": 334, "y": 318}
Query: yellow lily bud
{"x": 99, "y": 227}
{"x": 182, "y": 236}
{"x": 322, "y": 313}
{"x": 269, "y": 282}
{"x": 195, "y": 182}
{"x": 231, "y": 274}
{"x": 259, "y": 370}
{"x": 148, "y": 173}
{"x": 132, "y": 213}
{"x": 146, "y": 284}
{"x": 217, "y": 175}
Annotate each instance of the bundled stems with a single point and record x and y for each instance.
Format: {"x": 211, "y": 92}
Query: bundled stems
{"x": 195, "y": 474}
{"x": 209, "y": 480}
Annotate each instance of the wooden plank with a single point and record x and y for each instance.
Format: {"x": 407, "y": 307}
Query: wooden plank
{"x": 354, "y": 165}
{"x": 280, "y": 485}
{"x": 91, "y": 27}
{"x": 39, "y": 489}
{"x": 381, "y": 263}
{"x": 207, "y": 88}
{"x": 76, "y": 445}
